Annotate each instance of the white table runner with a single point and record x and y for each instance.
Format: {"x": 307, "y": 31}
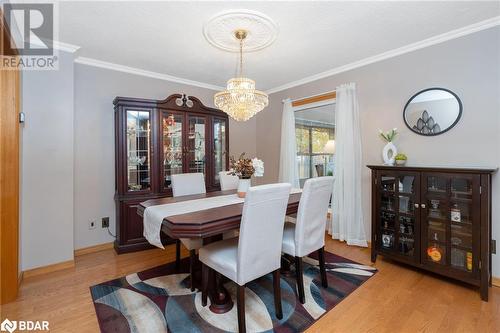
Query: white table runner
{"x": 154, "y": 215}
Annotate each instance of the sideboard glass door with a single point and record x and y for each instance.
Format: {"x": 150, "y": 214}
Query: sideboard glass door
{"x": 387, "y": 218}
{"x": 172, "y": 146}
{"x": 399, "y": 218}
{"x": 195, "y": 147}
{"x": 220, "y": 144}
{"x": 451, "y": 231}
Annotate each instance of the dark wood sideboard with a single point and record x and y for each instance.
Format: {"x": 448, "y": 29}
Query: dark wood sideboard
{"x": 437, "y": 219}
{"x": 155, "y": 139}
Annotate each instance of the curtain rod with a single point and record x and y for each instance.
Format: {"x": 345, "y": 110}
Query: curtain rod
{"x": 311, "y": 96}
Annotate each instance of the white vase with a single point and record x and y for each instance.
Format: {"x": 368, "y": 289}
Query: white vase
{"x": 389, "y": 153}
{"x": 243, "y": 186}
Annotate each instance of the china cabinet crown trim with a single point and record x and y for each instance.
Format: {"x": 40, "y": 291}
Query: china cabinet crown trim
{"x": 169, "y": 103}
{"x": 477, "y": 200}
{"x": 149, "y": 153}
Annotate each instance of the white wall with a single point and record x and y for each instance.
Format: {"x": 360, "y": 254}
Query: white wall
{"x": 67, "y": 154}
{"x": 95, "y": 89}
{"x": 68, "y": 143}
{"x": 47, "y": 165}
{"x": 468, "y": 66}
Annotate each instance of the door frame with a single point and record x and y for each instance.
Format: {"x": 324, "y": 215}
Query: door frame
{"x": 9, "y": 174}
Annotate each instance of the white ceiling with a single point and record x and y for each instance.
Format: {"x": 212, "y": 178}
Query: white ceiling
{"x": 167, "y": 38}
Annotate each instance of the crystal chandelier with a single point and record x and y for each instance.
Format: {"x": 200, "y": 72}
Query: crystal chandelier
{"x": 240, "y": 100}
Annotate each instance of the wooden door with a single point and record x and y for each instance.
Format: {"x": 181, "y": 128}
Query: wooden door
{"x": 138, "y": 176}
{"x": 450, "y": 208}
{"x": 172, "y": 147}
{"x": 220, "y": 149}
{"x": 9, "y": 180}
{"x": 197, "y": 144}
{"x": 398, "y": 218}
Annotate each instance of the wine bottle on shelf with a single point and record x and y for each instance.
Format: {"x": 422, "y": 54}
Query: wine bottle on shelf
{"x": 469, "y": 261}
{"x": 434, "y": 252}
{"x": 455, "y": 214}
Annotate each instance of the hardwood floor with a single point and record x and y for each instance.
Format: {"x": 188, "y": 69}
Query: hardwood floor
{"x": 396, "y": 299}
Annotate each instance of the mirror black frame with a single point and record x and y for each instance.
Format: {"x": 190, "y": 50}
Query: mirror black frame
{"x": 442, "y": 132}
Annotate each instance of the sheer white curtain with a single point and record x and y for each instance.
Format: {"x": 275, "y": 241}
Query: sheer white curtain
{"x": 347, "y": 218}
{"x": 289, "y": 170}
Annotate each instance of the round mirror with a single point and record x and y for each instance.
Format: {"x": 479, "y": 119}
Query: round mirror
{"x": 432, "y": 111}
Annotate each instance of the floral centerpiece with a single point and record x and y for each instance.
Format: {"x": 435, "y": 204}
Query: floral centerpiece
{"x": 244, "y": 168}
{"x": 390, "y": 151}
{"x": 388, "y": 136}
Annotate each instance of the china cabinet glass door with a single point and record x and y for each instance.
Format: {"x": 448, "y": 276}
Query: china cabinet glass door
{"x": 138, "y": 150}
{"x": 195, "y": 145}
{"x": 172, "y": 146}
{"x": 399, "y": 220}
{"x": 450, "y": 229}
{"x": 219, "y": 144}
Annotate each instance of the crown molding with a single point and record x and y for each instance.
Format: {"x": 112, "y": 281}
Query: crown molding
{"x": 142, "y": 72}
{"x": 57, "y": 45}
{"x": 483, "y": 25}
{"x": 65, "y": 46}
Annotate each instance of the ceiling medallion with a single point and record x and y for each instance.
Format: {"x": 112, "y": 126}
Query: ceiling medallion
{"x": 261, "y": 30}
{"x": 241, "y": 101}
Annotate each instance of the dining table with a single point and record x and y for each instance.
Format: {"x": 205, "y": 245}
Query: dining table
{"x": 209, "y": 225}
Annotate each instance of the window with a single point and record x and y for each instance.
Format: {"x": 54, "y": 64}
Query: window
{"x": 314, "y": 127}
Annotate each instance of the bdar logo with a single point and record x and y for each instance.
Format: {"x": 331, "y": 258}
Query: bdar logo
{"x": 24, "y": 325}
{"x": 8, "y": 325}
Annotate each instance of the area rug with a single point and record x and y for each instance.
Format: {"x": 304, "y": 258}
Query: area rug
{"x": 159, "y": 300}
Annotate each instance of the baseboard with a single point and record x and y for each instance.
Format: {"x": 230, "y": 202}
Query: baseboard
{"x": 20, "y": 278}
{"x": 93, "y": 249}
{"x": 48, "y": 269}
{"x": 495, "y": 281}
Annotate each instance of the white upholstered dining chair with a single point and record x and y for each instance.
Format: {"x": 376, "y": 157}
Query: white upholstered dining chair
{"x": 257, "y": 252}
{"x": 188, "y": 184}
{"x": 308, "y": 233}
{"x": 228, "y": 182}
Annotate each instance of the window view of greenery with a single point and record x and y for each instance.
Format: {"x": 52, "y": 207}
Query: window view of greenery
{"x": 313, "y": 129}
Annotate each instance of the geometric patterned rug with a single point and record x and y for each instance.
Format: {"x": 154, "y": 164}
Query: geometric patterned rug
{"x": 159, "y": 300}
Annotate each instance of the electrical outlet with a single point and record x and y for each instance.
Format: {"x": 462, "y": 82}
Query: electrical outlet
{"x": 92, "y": 225}
{"x": 105, "y": 222}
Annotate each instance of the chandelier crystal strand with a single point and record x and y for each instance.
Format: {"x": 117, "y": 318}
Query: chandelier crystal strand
{"x": 241, "y": 101}
{"x": 241, "y": 58}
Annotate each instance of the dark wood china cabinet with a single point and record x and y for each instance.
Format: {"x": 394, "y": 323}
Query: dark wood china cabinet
{"x": 154, "y": 140}
{"x": 438, "y": 219}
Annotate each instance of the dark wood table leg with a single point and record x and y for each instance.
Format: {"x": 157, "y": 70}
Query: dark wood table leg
{"x": 177, "y": 254}
{"x": 205, "y": 275}
{"x": 287, "y": 262}
{"x": 220, "y": 300}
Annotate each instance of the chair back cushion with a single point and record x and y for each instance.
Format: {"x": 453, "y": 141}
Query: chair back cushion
{"x": 261, "y": 231}
{"x": 228, "y": 182}
{"x": 188, "y": 184}
{"x": 311, "y": 216}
